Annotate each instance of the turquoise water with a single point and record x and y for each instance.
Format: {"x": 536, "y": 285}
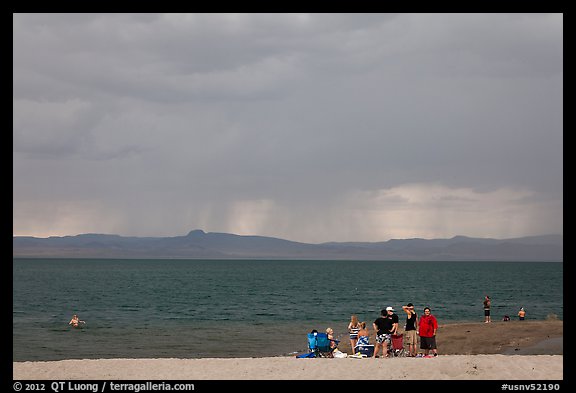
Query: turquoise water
{"x": 239, "y": 308}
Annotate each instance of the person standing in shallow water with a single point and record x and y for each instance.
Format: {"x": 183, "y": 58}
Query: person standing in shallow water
{"x": 75, "y": 321}
{"x": 487, "y": 304}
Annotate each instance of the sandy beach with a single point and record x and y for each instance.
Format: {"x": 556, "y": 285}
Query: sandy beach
{"x": 447, "y": 367}
{"x": 528, "y": 350}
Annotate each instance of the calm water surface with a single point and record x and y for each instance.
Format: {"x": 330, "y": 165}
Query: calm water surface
{"x": 239, "y": 308}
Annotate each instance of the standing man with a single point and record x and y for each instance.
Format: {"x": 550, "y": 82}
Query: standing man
{"x": 487, "y": 309}
{"x": 411, "y": 328}
{"x": 385, "y": 326}
{"x": 427, "y": 330}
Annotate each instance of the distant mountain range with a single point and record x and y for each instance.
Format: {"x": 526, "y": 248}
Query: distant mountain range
{"x": 201, "y": 245}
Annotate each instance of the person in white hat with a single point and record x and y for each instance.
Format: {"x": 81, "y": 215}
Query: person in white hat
{"x": 386, "y": 325}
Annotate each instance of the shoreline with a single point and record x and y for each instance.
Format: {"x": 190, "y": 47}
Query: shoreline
{"x": 527, "y": 350}
{"x": 530, "y": 337}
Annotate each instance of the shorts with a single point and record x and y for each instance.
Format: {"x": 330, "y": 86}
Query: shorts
{"x": 380, "y": 338}
{"x": 353, "y": 336}
{"x": 486, "y": 313}
{"x": 411, "y": 337}
{"x": 427, "y": 342}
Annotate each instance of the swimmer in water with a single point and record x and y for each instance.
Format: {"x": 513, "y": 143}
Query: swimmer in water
{"x": 75, "y": 321}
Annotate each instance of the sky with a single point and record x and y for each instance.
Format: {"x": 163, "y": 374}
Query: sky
{"x": 306, "y": 127}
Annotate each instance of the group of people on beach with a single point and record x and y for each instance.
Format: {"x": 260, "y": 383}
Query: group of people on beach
{"x": 386, "y": 325}
{"x": 488, "y": 303}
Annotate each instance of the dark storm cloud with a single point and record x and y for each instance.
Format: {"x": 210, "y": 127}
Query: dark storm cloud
{"x": 293, "y": 125}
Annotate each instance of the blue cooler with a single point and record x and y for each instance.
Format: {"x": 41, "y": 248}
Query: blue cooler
{"x": 367, "y": 350}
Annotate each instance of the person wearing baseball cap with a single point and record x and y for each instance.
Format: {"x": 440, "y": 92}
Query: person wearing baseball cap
{"x": 394, "y": 319}
{"x": 386, "y": 325}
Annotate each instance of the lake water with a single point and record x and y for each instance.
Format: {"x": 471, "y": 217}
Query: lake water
{"x": 244, "y": 308}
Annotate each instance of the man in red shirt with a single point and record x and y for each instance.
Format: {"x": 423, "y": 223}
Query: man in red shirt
{"x": 427, "y": 330}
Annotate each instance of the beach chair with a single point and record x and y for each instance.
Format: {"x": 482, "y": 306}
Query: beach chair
{"x": 319, "y": 344}
{"x": 397, "y": 346}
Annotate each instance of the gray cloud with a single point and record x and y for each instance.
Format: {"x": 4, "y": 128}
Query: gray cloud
{"x": 287, "y": 125}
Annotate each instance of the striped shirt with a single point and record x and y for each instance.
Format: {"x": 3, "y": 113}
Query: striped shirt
{"x": 354, "y": 332}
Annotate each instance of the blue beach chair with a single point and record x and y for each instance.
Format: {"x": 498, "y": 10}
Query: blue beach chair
{"x": 319, "y": 344}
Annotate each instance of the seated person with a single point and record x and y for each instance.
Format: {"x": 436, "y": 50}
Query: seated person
{"x": 333, "y": 342}
{"x": 363, "y": 335}
{"x": 363, "y": 348}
